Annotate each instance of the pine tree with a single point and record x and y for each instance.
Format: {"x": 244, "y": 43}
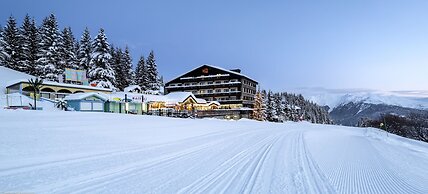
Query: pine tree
{"x": 116, "y": 65}
{"x": 101, "y": 73}
{"x": 271, "y": 114}
{"x": 141, "y": 74}
{"x": 152, "y": 72}
{"x": 11, "y": 45}
{"x": 85, "y": 50}
{"x": 68, "y": 50}
{"x": 30, "y": 48}
{"x": 279, "y": 107}
{"x": 258, "y": 110}
{"x": 1, "y": 47}
{"x": 128, "y": 73}
{"x": 49, "y": 55}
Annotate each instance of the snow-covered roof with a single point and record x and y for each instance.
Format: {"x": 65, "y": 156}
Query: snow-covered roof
{"x": 132, "y": 88}
{"x": 51, "y": 83}
{"x": 7, "y": 75}
{"x": 176, "y": 97}
{"x": 154, "y": 98}
{"x": 81, "y": 96}
{"x": 173, "y": 98}
{"x": 230, "y": 71}
{"x": 213, "y": 102}
{"x": 136, "y": 97}
{"x": 216, "y": 67}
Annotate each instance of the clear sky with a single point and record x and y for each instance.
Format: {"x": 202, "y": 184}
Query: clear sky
{"x": 374, "y": 44}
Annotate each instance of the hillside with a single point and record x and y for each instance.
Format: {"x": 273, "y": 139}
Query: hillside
{"x": 63, "y": 152}
{"x": 335, "y": 98}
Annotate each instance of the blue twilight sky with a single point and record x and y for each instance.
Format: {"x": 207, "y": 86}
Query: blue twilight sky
{"x": 374, "y": 44}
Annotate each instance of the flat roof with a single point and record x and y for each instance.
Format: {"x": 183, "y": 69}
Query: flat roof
{"x": 51, "y": 83}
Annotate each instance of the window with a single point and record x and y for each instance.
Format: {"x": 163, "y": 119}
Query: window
{"x": 226, "y": 90}
{"x": 233, "y": 89}
{"x": 187, "y": 84}
{"x": 218, "y": 82}
{"x": 194, "y": 84}
{"x": 210, "y": 91}
{"x": 226, "y": 81}
{"x": 210, "y": 83}
{"x": 218, "y": 90}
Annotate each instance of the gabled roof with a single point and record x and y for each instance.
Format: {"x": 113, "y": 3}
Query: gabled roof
{"x": 176, "y": 97}
{"x": 215, "y": 67}
{"x": 132, "y": 88}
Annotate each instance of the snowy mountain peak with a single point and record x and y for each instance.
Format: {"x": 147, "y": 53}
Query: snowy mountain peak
{"x": 334, "y": 97}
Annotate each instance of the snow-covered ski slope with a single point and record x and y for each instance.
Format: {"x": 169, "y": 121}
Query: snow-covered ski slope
{"x": 72, "y": 152}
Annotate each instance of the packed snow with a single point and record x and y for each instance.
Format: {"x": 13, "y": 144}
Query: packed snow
{"x": 75, "y": 152}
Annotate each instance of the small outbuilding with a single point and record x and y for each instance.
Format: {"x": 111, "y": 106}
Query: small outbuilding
{"x": 88, "y": 102}
{"x": 124, "y": 102}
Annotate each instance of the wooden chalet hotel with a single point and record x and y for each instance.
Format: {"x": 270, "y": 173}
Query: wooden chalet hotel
{"x": 232, "y": 89}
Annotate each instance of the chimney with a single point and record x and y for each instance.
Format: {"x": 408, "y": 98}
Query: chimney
{"x": 236, "y": 70}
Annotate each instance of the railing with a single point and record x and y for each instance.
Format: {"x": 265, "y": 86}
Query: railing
{"x": 203, "y": 85}
{"x": 205, "y": 76}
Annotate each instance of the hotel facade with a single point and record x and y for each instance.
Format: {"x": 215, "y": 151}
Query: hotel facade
{"x": 231, "y": 88}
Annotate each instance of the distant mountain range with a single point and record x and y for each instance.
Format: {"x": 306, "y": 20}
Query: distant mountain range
{"x": 347, "y": 107}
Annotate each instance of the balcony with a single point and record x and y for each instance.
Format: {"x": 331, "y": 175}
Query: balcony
{"x": 205, "y": 76}
{"x": 225, "y": 84}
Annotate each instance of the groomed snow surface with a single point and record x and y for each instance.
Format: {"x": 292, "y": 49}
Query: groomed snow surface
{"x": 73, "y": 152}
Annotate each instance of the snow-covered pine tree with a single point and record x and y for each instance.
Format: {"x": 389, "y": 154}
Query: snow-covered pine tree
{"x": 68, "y": 50}
{"x": 152, "y": 72}
{"x": 128, "y": 73}
{"x": 271, "y": 114}
{"x": 116, "y": 65}
{"x": 279, "y": 107}
{"x": 1, "y": 45}
{"x": 101, "y": 73}
{"x": 29, "y": 41}
{"x": 287, "y": 107}
{"x": 85, "y": 50}
{"x": 122, "y": 66}
{"x": 11, "y": 45}
{"x": 139, "y": 72}
{"x": 141, "y": 77}
{"x": 258, "y": 110}
{"x": 49, "y": 55}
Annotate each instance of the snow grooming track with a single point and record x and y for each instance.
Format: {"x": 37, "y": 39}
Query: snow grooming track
{"x": 172, "y": 161}
{"x": 311, "y": 176}
{"x": 358, "y": 167}
{"x": 92, "y": 181}
{"x": 245, "y": 164}
{"x": 164, "y": 155}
